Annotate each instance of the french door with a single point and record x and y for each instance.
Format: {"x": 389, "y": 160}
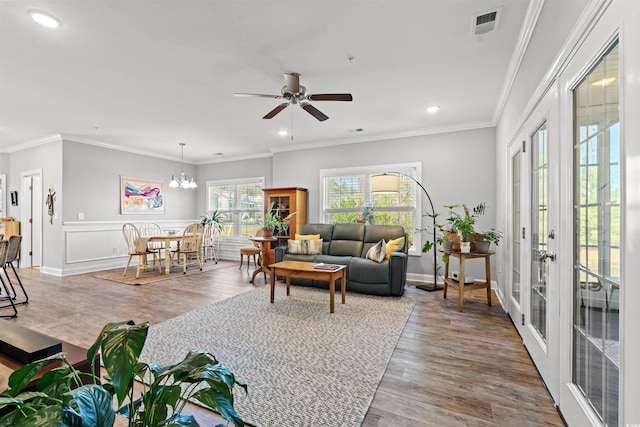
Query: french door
{"x": 534, "y": 293}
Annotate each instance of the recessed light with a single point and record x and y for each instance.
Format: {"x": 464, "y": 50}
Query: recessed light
{"x": 433, "y": 109}
{"x": 45, "y": 19}
{"x": 282, "y": 133}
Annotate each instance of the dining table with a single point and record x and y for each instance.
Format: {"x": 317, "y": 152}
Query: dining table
{"x": 166, "y": 239}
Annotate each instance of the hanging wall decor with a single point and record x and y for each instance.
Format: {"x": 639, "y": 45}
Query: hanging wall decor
{"x": 141, "y": 196}
{"x": 51, "y": 198}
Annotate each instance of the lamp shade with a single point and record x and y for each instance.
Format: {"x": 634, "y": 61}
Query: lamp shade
{"x": 385, "y": 183}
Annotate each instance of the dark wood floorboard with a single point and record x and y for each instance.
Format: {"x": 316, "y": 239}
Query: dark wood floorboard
{"x": 448, "y": 369}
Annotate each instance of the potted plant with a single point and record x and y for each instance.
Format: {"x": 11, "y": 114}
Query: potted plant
{"x": 61, "y": 398}
{"x": 367, "y": 213}
{"x": 214, "y": 218}
{"x": 481, "y": 241}
{"x": 272, "y": 220}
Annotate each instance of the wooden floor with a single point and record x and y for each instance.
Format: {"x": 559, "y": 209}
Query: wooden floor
{"x": 449, "y": 368}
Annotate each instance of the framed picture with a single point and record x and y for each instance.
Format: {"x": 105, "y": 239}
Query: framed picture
{"x": 141, "y": 196}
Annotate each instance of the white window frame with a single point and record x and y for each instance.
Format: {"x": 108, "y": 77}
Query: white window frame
{"x": 406, "y": 168}
{"x": 237, "y": 181}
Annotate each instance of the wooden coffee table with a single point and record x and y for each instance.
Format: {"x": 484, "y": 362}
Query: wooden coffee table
{"x": 307, "y": 270}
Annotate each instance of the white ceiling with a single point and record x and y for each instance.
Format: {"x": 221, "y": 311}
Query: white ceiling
{"x": 146, "y": 75}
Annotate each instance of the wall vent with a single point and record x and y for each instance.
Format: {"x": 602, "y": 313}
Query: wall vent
{"x": 485, "y": 22}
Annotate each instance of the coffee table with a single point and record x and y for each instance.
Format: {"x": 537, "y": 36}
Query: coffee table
{"x": 307, "y": 270}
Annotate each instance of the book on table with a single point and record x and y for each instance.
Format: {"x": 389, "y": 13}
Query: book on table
{"x": 330, "y": 267}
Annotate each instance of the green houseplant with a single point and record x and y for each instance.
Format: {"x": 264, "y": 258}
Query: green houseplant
{"x": 214, "y": 218}
{"x": 368, "y": 213}
{"x": 272, "y": 220}
{"x": 61, "y": 399}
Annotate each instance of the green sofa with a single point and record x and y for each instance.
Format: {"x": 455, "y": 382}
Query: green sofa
{"x": 347, "y": 244}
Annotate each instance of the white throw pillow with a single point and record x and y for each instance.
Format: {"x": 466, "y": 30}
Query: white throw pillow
{"x": 378, "y": 251}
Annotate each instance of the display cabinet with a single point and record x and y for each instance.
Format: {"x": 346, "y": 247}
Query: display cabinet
{"x": 285, "y": 201}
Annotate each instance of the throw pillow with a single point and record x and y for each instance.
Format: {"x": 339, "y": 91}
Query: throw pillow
{"x": 377, "y": 252}
{"x": 394, "y": 245}
{"x": 305, "y": 247}
{"x": 307, "y": 236}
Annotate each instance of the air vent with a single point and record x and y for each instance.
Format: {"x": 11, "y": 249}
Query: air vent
{"x": 485, "y": 22}
{"x": 356, "y": 130}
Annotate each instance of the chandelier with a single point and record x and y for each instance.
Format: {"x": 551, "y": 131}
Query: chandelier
{"x": 183, "y": 182}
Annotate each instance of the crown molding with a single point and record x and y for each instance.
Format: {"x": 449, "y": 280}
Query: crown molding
{"x": 530, "y": 21}
{"x": 34, "y": 143}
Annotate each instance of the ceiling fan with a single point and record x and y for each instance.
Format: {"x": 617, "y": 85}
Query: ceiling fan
{"x": 294, "y": 93}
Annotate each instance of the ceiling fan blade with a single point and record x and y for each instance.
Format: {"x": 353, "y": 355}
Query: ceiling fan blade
{"x": 314, "y": 111}
{"x": 292, "y": 81}
{"x": 330, "y": 97}
{"x": 259, "y": 95}
{"x": 271, "y": 114}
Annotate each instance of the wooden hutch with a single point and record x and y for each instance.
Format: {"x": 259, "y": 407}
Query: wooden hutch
{"x": 286, "y": 200}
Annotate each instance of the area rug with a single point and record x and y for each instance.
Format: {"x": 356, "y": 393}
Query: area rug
{"x": 147, "y": 277}
{"x": 303, "y": 366}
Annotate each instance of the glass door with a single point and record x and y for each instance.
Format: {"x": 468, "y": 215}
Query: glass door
{"x": 534, "y": 293}
{"x": 597, "y": 238}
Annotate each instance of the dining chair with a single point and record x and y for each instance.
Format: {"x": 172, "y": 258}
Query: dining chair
{"x": 252, "y": 251}
{"x": 153, "y": 229}
{"x": 4, "y": 249}
{"x": 190, "y": 245}
{"x": 12, "y": 254}
{"x": 209, "y": 239}
{"x": 138, "y": 246}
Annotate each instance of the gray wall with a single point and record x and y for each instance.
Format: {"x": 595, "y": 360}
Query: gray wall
{"x": 48, "y": 158}
{"x": 457, "y": 167}
{"x": 92, "y": 183}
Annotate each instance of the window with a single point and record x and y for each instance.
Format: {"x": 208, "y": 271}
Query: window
{"x": 240, "y": 203}
{"x": 346, "y": 191}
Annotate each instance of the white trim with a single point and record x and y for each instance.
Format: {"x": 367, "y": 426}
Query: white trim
{"x": 589, "y": 17}
{"x": 33, "y": 143}
{"x": 530, "y": 22}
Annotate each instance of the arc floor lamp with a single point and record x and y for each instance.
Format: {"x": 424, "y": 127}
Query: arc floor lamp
{"x": 389, "y": 182}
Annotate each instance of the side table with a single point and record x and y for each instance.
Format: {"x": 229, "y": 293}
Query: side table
{"x": 470, "y": 286}
{"x": 266, "y": 255}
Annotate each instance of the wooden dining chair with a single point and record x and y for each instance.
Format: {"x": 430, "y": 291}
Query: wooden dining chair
{"x": 138, "y": 246}
{"x": 152, "y": 229}
{"x": 252, "y": 251}
{"x": 190, "y": 245}
{"x": 209, "y": 237}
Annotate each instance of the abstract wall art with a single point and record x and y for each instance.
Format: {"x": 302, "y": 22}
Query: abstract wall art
{"x": 141, "y": 196}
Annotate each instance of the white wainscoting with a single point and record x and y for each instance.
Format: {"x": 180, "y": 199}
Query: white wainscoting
{"x": 99, "y": 245}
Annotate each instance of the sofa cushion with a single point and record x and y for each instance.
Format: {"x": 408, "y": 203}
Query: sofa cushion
{"x": 374, "y": 233}
{"x": 305, "y": 247}
{"x": 368, "y": 271}
{"x": 378, "y": 251}
{"x": 346, "y": 240}
{"x": 324, "y": 230}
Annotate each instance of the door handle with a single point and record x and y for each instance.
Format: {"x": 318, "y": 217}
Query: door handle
{"x": 544, "y": 255}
